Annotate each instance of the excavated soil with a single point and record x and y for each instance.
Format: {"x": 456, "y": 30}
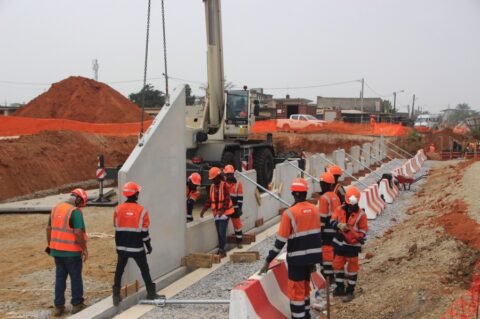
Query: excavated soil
{"x": 421, "y": 266}
{"x": 51, "y": 159}
{"x": 85, "y": 100}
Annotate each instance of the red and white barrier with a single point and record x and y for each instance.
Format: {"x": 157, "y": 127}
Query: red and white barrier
{"x": 414, "y": 164}
{"x": 369, "y": 203}
{"x": 386, "y": 191}
{"x": 265, "y": 296}
{"x": 377, "y": 198}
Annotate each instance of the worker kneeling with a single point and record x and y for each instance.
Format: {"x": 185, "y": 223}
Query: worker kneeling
{"x": 351, "y": 224}
{"x": 300, "y": 229}
{"x": 131, "y": 222}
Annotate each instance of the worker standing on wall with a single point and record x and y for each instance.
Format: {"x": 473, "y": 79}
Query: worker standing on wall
{"x": 300, "y": 229}
{"x": 131, "y": 222}
{"x": 67, "y": 243}
{"x": 337, "y": 172}
{"x": 351, "y": 224}
{"x": 328, "y": 202}
{"x": 235, "y": 188}
{"x": 221, "y": 204}
{"x": 193, "y": 181}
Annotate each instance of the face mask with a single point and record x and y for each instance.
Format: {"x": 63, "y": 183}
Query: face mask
{"x": 353, "y": 200}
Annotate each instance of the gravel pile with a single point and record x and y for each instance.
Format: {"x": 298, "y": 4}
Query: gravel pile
{"x": 218, "y": 284}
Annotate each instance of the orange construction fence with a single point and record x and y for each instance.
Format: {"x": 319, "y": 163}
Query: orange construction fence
{"x": 13, "y": 125}
{"x": 385, "y": 129}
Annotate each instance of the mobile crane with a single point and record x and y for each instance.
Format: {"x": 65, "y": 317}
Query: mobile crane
{"x": 218, "y": 133}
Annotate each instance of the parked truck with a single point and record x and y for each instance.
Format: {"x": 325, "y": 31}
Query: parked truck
{"x": 218, "y": 132}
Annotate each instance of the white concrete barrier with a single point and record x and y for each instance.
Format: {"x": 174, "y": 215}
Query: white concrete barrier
{"x": 366, "y": 154}
{"x": 366, "y": 203}
{"x": 383, "y": 148}
{"x": 376, "y": 197}
{"x": 159, "y": 167}
{"x": 355, "y": 154}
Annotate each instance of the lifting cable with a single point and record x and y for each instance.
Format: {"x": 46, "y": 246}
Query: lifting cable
{"x": 145, "y": 69}
{"x": 167, "y": 96}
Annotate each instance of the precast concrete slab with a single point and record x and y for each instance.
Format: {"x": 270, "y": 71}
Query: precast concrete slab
{"x": 366, "y": 154}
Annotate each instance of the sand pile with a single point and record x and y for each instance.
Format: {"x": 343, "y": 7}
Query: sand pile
{"x": 85, "y": 100}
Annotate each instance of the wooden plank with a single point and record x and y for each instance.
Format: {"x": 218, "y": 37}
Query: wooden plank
{"x": 245, "y": 257}
{"x": 259, "y": 222}
{"x": 198, "y": 260}
{"x": 129, "y": 289}
{"x": 247, "y": 239}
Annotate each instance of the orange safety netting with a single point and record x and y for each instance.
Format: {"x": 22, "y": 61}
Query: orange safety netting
{"x": 12, "y": 126}
{"x": 385, "y": 129}
{"x": 467, "y": 306}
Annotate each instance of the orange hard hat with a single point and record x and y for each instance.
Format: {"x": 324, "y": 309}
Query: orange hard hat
{"x": 327, "y": 178}
{"x": 299, "y": 185}
{"x": 79, "y": 192}
{"x": 228, "y": 169}
{"x": 130, "y": 189}
{"x": 196, "y": 179}
{"x": 335, "y": 170}
{"x": 352, "y": 195}
{"x": 214, "y": 172}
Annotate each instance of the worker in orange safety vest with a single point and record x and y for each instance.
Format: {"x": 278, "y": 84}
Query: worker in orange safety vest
{"x": 351, "y": 224}
{"x": 192, "y": 193}
{"x": 337, "y": 172}
{"x": 300, "y": 229}
{"x": 328, "y": 202}
{"x": 220, "y": 203}
{"x": 235, "y": 188}
{"x": 131, "y": 221}
{"x": 67, "y": 243}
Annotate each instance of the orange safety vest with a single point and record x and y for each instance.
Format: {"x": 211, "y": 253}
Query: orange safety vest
{"x": 192, "y": 194}
{"x": 62, "y": 236}
{"x": 217, "y": 202}
{"x": 358, "y": 225}
{"x": 235, "y": 189}
{"x": 131, "y": 217}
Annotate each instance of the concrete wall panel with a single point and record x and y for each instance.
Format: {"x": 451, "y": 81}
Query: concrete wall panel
{"x": 159, "y": 167}
{"x": 366, "y": 148}
{"x": 355, "y": 153}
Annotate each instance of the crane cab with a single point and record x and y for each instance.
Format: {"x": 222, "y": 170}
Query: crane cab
{"x": 239, "y": 114}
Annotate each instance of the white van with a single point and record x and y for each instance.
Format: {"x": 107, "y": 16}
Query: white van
{"x": 429, "y": 121}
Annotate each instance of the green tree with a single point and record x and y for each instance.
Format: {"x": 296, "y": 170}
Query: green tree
{"x": 386, "y": 106}
{"x": 190, "y": 99}
{"x": 461, "y": 112}
{"x": 153, "y": 98}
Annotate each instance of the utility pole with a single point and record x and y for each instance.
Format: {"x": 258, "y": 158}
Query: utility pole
{"x": 394, "y": 101}
{"x": 413, "y": 107}
{"x": 361, "y": 102}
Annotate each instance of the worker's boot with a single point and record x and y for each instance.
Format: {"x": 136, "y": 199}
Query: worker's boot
{"x": 152, "y": 292}
{"x": 116, "y": 295}
{"x": 350, "y": 295}
{"x": 239, "y": 245}
{"x": 78, "y": 307}
{"x": 58, "y": 311}
{"x": 339, "y": 290}
{"x": 222, "y": 253}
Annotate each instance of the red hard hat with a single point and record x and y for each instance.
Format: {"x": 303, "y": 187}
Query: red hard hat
{"x": 335, "y": 170}
{"x": 214, "y": 172}
{"x": 327, "y": 178}
{"x": 196, "y": 179}
{"x": 228, "y": 169}
{"x": 130, "y": 189}
{"x": 299, "y": 185}
{"x": 79, "y": 192}
{"x": 352, "y": 195}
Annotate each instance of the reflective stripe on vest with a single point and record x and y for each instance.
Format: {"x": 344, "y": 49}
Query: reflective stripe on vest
{"x": 62, "y": 236}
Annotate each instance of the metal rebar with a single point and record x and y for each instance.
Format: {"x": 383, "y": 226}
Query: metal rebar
{"x": 264, "y": 189}
{"x": 163, "y": 302}
{"x": 399, "y": 148}
{"x": 364, "y": 166}
{"x": 347, "y": 173}
{"x": 305, "y": 172}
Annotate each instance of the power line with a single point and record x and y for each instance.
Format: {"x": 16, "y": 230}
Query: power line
{"x": 312, "y": 86}
{"x": 375, "y": 92}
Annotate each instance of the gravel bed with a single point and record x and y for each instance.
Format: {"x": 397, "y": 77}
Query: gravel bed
{"x": 218, "y": 284}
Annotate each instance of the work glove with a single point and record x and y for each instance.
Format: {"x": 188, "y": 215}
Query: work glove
{"x": 343, "y": 227}
{"x": 362, "y": 240}
{"x": 264, "y": 268}
{"x": 47, "y": 250}
{"x": 149, "y": 247}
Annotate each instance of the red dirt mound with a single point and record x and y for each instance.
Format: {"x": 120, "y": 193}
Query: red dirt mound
{"x": 85, "y": 100}
{"x": 50, "y": 159}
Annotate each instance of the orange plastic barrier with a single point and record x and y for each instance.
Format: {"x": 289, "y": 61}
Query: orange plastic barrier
{"x": 11, "y": 126}
{"x": 385, "y": 129}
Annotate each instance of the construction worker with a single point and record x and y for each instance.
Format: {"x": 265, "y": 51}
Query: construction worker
{"x": 235, "y": 188}
{"x": 221, "y": 204}
{"x": 300, "y": 229}
{"x": 350, "y": 222}
{"x": 131, "y": 222}
{"x": 67, "y": 243}
{"x": 337, "y": 172}
{"x": 328, "y": 202}
{"x": 193, "y": 181}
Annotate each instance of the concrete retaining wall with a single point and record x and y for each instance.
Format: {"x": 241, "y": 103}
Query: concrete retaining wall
{"x": 355, "y": 153}
{"x": 366, "y": 148}
{"x": 159, "y": 167}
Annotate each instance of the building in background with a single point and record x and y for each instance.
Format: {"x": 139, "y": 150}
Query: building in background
{"x": 370, "y": 105}
{"x": 288, "y": 106}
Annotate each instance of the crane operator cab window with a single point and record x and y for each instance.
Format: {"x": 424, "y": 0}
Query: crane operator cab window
{"x": 237, "y": 107}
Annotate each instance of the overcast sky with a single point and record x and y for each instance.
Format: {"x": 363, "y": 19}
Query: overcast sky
{"x": 430, "y": 48}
